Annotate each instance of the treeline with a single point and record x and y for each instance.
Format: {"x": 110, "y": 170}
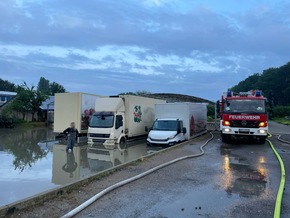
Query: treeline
{"x": 274, "y": 82}
{"x": 27, "y": 101}
{"x": 44, "y": 86}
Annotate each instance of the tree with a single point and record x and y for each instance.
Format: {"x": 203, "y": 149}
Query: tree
{"x": 28, "y": 100}
{"x": 274, "y": 82}
{"x": 56, "y": 88}
{"x": 43, "y": 86}
{"x": 7, "y": 86}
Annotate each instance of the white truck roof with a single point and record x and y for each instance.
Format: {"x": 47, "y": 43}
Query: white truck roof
{"x": 110, "y": 104}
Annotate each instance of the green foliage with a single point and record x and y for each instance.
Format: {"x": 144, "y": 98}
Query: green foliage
{"x": 281, "y": 111}
{"x": 43, "y": 86}
{"x": 56, "y": 88}
{"x": 7, "y": 121}
{"x": 47, "y": 88}
{"x": 139, "y": 93}
{"x": 28, "y": 100}
{"x": 210, "y": 110}
{"x": 285, "y": 121}
{"x": 273, "y": 81}
{"x": 7, "y": 86}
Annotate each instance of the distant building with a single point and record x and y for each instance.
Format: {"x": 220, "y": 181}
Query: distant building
{"x": 45, "y": 113}
{"x": 47, "y": 110}
{"x": 5, "y": 97}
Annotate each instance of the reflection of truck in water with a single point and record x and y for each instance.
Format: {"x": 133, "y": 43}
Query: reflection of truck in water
{"x": 73, "y": 107}
{"x": 177, "y": 122}
{"x": 243, "y": 115}
{"x": 119, "y": 118}
{"x": 101, "y": 159}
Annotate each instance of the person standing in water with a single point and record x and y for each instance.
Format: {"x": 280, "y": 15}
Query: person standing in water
{"x": 72, "y": 136}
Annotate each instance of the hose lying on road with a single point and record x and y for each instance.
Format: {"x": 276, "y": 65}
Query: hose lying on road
{"x": 122, "y": 183}
{"x": 279, "y": 197}
{"x": 282, "y": 140}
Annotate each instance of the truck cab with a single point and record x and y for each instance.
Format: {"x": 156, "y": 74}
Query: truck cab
{"x": 118, "y": 119}
{"x": 107, "y": 125}
{"x": 244, "y": 115}
{"x": 167, "y": 132}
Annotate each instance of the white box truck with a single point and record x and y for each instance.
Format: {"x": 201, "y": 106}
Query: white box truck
{"x": 177, "y": 122}
{"x": 73, "y": 107}
{"x": 119, "y": 118}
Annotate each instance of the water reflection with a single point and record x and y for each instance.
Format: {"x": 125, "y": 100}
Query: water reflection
{"x": 101, "y": 158}
{"x": 241, "y": 178}
{"x": 23, "y": 145}
{"x": 26, "y": 159}
{"x": 84, "y": 161}
{"x": 69, "y": 167}
{"x": 32, "y": 162}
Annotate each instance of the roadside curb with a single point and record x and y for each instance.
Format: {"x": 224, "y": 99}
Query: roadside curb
{"x": 60, "y": 191}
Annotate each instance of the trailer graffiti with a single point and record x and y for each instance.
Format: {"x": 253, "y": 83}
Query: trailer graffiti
{"x": 192, "y": 126}
{"x": 88, "y": 105}
{"x": 137, "y": 114}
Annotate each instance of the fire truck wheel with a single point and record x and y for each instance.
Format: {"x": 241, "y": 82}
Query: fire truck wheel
{"x": 262, "y": 140}
{"x": 225, "y": 138}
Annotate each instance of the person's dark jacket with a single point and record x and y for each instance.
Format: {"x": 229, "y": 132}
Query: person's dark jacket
{"x": 70, "y": 130}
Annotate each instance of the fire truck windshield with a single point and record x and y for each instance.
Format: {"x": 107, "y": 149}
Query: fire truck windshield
{"x": 245, "y": 106}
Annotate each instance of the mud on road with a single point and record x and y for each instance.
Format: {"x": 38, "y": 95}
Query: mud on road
{"x": 231, "y": 180}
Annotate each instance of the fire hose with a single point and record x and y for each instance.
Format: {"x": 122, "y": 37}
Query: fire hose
{"x": 277, "y": 211}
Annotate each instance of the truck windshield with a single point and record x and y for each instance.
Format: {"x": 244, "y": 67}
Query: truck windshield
{"x": 245, "y": 106}
{"x": 102, "y": 120}
{"x": 165, "y": 125}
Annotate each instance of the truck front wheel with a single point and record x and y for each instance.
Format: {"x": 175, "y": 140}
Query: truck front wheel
{"x": 262, "y": 140}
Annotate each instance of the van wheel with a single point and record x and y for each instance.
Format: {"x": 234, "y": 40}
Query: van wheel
{"x": 122, "y": 144}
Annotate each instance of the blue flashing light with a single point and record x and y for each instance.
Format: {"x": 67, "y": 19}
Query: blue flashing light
{"x": 229, "y": 94}
{"x": 258, "y": 93}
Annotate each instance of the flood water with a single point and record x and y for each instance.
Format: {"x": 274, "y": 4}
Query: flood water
{"x": 33, "y": 162}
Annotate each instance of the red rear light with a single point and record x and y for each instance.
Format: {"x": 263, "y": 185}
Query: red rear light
{"x": 263, "y": 124}
{"x": 226, "y": 123}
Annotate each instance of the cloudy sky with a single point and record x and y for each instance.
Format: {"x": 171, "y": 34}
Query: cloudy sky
{"x": 106, "y": 47}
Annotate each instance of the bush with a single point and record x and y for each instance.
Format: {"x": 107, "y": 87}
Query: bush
{"x": 210, "y": 110}
{"x": 7, "y": 122}
{"x": 281, "y": 111}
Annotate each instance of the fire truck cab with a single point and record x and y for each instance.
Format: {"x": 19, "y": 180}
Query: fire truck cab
{"x": 243, "y": 115}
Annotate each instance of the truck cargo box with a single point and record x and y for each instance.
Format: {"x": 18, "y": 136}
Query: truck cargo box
{"x": 73, "y": 107}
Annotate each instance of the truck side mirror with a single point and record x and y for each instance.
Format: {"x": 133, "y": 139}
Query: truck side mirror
{"x": 146, "y": 129}
{"x": 184, "y": 130}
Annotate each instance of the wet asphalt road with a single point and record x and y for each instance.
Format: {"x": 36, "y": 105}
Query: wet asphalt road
{"x": 240, "y": 179}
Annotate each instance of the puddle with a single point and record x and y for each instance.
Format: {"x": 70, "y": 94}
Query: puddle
{"x": 33, "y": 162}
{"x": 240, "y": 177}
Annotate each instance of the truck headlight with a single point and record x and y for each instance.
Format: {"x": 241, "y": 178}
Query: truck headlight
{"x": 227, "y": 129}
{"x": 261, "y": 131}
{"x": 172, "y": 137}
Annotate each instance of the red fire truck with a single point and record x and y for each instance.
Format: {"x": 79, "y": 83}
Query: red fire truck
{"x": 243, "y": 115}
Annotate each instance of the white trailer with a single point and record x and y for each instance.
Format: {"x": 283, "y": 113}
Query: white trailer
{"x": 73, "y": 107}
{"x": 177, "y": 122}
{"x": 120, "y": 118}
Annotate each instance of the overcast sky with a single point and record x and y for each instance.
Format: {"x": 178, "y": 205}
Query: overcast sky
{"x": 105, "y": 47}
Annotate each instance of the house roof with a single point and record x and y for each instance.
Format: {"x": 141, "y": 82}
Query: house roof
{"x": 4, "y": 93}
{"x": 48, "y": 103}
